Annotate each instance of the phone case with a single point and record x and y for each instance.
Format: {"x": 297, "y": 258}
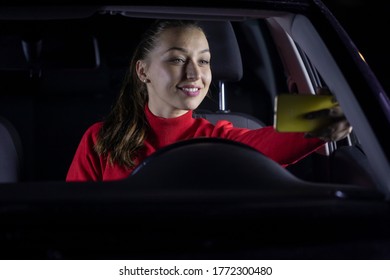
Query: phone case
{"x": 291, "y": 108}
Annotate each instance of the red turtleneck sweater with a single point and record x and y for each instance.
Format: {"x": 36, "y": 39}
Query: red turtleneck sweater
{"x": 284, "y": 148}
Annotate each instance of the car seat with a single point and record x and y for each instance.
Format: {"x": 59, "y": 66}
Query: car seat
{"x": 10, "y": 153}
{"x": 226, "y": 66}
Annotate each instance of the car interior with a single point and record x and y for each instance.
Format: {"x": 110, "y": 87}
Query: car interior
{"x": 59, "y": 75}
{"x": 63, "y": 75}
{"x": 62, "y": 82}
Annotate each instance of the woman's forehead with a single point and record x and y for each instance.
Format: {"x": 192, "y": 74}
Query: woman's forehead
{"x": 183, "y": 37}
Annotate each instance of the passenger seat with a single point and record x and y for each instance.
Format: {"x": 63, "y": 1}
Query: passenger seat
{"x": 10, "y": 153}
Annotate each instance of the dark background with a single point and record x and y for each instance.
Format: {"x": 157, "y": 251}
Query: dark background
{"x": 368, "y": 24}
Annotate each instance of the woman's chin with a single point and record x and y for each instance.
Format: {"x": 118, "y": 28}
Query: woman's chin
{"x": 192, "y": 106}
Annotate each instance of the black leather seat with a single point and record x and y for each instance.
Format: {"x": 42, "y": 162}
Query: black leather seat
{"x": 238, "y": 119}
{"x": 226, "y": 66}
{"x": 10, "y": 153}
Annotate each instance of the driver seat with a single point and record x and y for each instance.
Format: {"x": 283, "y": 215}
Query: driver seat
{"x": 226, "y": 65}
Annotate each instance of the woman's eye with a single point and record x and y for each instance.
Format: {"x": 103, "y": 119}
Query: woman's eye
{"x": 178, "y": 60}
{"x": 204, "y": 62}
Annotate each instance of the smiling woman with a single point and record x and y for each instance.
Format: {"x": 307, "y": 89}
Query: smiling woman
{"x": 169, "y": 77}
{"x": 177, "y": 71}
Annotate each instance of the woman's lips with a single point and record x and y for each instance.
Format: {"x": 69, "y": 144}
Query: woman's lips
{"x": 191, "y": 91}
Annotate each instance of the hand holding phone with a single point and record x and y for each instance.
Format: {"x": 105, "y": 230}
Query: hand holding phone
{"x": 292, "y": 112}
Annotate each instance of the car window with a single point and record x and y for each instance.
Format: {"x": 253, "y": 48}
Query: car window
{"x": 65, "y": 81}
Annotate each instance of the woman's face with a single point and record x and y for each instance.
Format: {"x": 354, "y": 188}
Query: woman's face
{"x": 177, "y": 72}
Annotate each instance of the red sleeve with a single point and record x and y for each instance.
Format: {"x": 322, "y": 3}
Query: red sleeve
{"x": 86, "y": 164}
{"x": 284, "y": 148}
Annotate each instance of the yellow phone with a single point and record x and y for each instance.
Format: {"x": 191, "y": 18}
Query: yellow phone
{"x": 290, "y": 110}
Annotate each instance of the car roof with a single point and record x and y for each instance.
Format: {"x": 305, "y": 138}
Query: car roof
{"x": 71, "y": 8}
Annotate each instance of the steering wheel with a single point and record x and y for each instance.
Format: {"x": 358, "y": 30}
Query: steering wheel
{"x": 210, "y": 162}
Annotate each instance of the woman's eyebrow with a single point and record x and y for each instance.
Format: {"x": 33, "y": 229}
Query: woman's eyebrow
{"x": 185, "y": 50}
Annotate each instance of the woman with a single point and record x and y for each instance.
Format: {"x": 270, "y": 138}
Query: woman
{"x": 169, "y": 77}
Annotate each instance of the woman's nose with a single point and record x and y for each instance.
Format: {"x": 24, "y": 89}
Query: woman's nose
{"x": 192, "y": 71}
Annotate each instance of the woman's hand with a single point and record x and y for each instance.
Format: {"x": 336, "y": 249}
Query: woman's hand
{"x": 338, "y": 129}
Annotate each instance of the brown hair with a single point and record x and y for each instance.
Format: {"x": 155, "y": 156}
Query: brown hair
{"x": 125, "y": 128}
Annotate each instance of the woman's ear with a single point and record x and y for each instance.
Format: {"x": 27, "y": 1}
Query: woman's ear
{"x": 141, "y": 70}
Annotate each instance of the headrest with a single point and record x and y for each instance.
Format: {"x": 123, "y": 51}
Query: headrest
{"x": 71, "y": 65}
{"x": 70, "y": 51}
{"x": 226, "y": 64}
{"x": 62, "y": 51}
{"x": 11, "y": 53}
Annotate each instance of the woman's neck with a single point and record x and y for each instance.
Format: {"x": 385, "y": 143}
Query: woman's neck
{"x": 166, "y": 113}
